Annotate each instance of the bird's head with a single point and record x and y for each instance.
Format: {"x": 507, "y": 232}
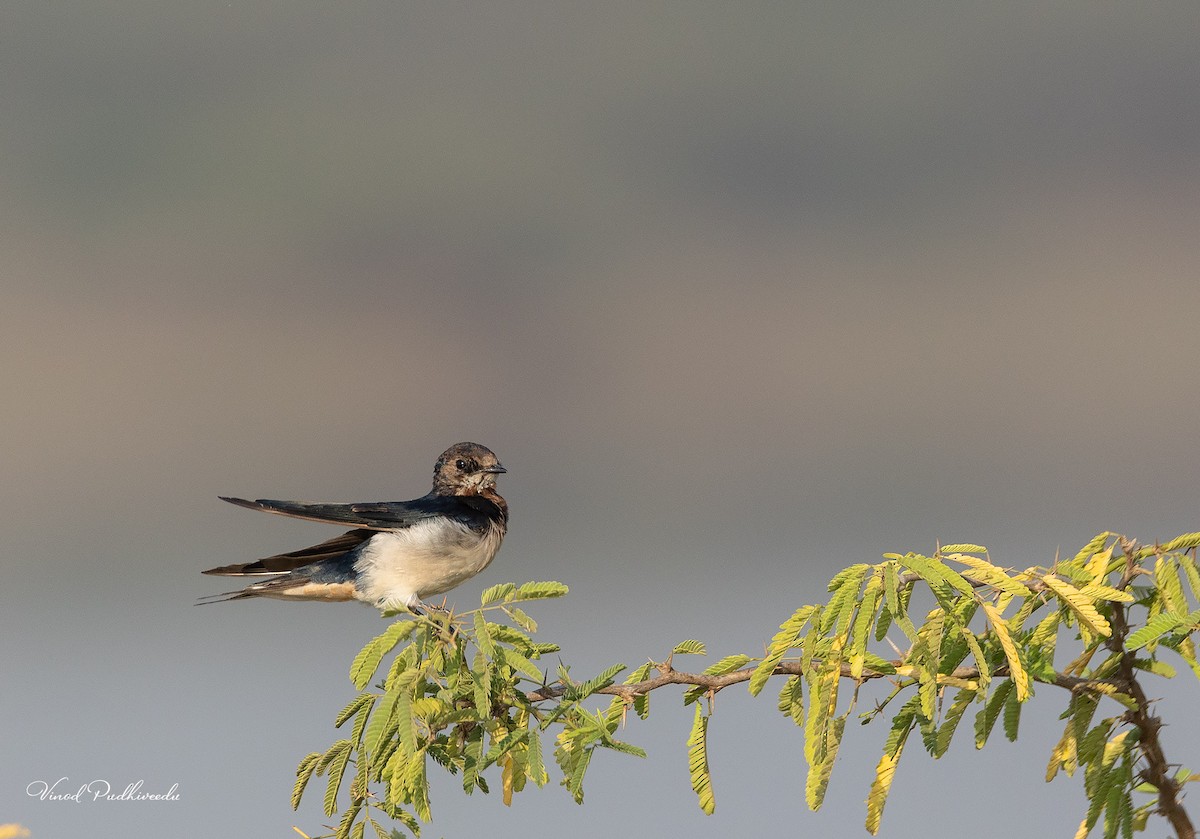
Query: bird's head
{"x": 465, "y": 469}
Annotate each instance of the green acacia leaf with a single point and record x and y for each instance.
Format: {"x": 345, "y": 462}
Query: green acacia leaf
{"x": 534, "y": 767}
{"x": 303, "y": 773}
{"x": 784, "y": 640}
{"x": 334, "y": 762}
{"x": 344, "y": 827}
{"x": 353, "y": 708}
{"x": 818, "y": 775}
{"x": 791, "y": 700}
{"x": 965, "y": 547}
{"x": 1091, "y": 547}
{"x": 690, "y": 647}
{"x": 885, "y": 772}
{"x": 835, "y": 617}
{"x": 985, "y": 720}
{"x": 1012, "y": 716}
{"x": 539, "y": 591}
{"x": 860, "y": 630}
{"x": 521, "y": 664}
{"x": 950, "y": 722}
{"x": 1182, "y": 543}
{"x": 379, "y": 727}
{"x": 1155, "y": 628}
{"x": 1082, "y": 606}
{"x": 1170, "y": 587}
{"x": 496, "y": 593}
{"x": 521, "y": 619}
{"x": 1187, "y": 564}
{"x": 983, "y": 571}
{"x": 1016, "y": 670}
{"x": 483, "y": 637}
{"x": 698, "y": 763}
{"x": 728, "y": 664}
{"x": 577, "y": 693}
{"x": 852, "y": 574}
{"x": 939, "y": 576}
{"x": 505, "y": 745}
{"x": 367, "y": 661}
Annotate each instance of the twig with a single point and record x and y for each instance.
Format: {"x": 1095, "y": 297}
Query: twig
{"x": 1157, "y": 770}
{"x": 670, "y": 676}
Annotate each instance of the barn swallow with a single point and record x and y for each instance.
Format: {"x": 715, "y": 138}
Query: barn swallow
{"x": 399, "y": 552}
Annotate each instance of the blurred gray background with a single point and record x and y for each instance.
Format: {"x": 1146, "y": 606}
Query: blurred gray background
{"x": 739, "y": 293}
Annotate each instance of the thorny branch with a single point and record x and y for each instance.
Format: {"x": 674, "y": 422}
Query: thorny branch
{"x": 668, "y": 675}
{"x": 1157, "y": 770}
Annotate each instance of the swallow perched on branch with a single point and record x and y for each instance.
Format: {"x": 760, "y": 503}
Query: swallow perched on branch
{"x": 399, "y": 552}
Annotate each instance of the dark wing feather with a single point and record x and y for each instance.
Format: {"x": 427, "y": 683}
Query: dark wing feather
{"x": 376, "y": 515}
{"x": 282, "y": 563}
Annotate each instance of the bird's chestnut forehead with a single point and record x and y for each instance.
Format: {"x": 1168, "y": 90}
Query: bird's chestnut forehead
{"x": 480, "y": 456}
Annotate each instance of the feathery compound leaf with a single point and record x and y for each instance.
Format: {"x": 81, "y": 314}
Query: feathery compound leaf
{"x": 784, "y": 640}
{"x": 641, "y": 703}
{"x": 1155, "y": 628}
{"x": 985, "y": 720}
{"x": 1091, "y": 547}
{"x": 496, "y": 593}
{"x": 343, "y": 830}
{"x": 966, "y": 547}
{"x": 981, "y": 662}
{"x": 835, "y": 618}
{"x": 698, "y": 762}
{"x": 1188, "y": 565}
{"x": 367, "y": 661}
{"x": 951, "y": 720}
{"x": 885, "y": 773}
{"x": 1046, "y": 630}
{"x": 791, "y": 700}
{"x": 939, "y": 576}
{"x": 521, "y": 619}
{"x": 1078, "y": 602}
{"x": 1012, "y": 716}
{"x": 1182, "y": 543}
{"x": 726, "y": 665}
{"x": 853, "y": 574}
{"x": 861, "y": 629}
{"x": 818, "y": 775}
{"x": 1065, "y": 755}
{"x": 690, "y": 647}
{"x": 984, "y": 572}
{"x": 534, "y": 767}
{"x": 303, "y": 772}
{"x": 520, "y": 664}
{"x": 577, "y": 693}
{"x": 353, "y": 708}
{"x": 1170, "y": 587}
{"x": 1095, "y": 591}
{"x": 574, "y": 782}
{"x": 335, "y": 759}
{"x": 1020, "y": 678}
{"x": 379, "y": 728}
{"x": 539, "y": 591}
{"x": 483, "y": 638}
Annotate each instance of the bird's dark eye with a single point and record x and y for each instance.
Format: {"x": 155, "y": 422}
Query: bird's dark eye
{"x": 461, "y": 465}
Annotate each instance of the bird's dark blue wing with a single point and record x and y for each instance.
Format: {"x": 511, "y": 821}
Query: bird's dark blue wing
{"x": 334, "y": 548}
{"x": 472, "y": 511}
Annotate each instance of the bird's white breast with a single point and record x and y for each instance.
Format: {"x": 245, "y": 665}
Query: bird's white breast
{"x": 400, "y": 567}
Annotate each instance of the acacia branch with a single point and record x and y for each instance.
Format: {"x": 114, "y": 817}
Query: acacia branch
{"x": 1157, "y": 771}
{"x": 668, "y": 675}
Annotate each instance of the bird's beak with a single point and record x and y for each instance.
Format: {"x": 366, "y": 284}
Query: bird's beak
{"x": 495, "y": 470}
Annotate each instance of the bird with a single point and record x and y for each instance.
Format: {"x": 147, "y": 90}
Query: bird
{"x": 399, "y": 552}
